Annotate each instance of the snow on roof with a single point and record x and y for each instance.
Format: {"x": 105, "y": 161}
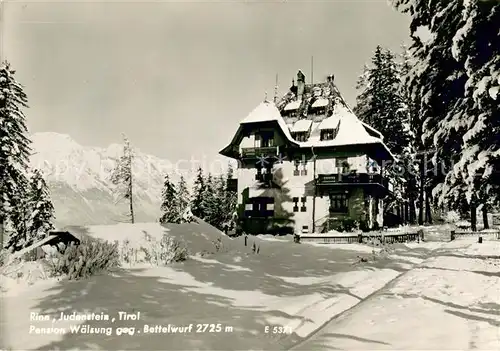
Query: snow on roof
{"x": 330, "y": 122}
{"x": 351, "y": 131}
{"x": 321, "y": 102}
{"x": 302, "y": 125}
{"x": 266, "y": 112}
{"x": 292, "y": 105}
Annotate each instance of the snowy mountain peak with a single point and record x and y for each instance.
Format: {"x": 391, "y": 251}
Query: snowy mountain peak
{"x": 79, "y": 178}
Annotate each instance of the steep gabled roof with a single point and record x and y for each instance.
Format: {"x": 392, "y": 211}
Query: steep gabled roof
{"x": 264, "y": 112}
{"x": 336, "y": 114}
{"x": 267, "y": 112}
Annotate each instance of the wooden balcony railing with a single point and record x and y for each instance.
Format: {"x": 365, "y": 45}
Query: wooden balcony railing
{"x": 352, "y": 178}
{"x": 251, "y": 152}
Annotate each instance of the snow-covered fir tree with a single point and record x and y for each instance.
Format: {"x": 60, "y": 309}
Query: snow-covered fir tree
{"x": 380, "y": 104}
{"x": 184, "y": 200}
{"x": 409, "y": 153}
{"x": 41, "y": 208}
{"x": 230, "y": 201}
{"x": 19, "y": 217}
{"x": 454, "y": 87}
{"x": 14, "y": 152}
{"x": 477, "y": 44}
{"x": 210, "y": 205}
{"x": 169, "y": 203}
{"x": 122, "y": 177}
{"x": 197, "y": 198}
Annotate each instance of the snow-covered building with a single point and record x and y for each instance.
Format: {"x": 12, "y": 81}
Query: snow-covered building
{"x": 306, "y": 163}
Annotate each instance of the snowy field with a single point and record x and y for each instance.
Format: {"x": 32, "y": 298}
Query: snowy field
{"x": 299, "y": 287}
{"x": 450, "y": 302}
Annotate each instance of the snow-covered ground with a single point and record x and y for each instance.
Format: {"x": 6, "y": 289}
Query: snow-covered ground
{"x": 299, "y": 287}
{"x": 450, "y": 301}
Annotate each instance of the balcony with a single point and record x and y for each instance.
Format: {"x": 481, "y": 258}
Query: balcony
{"x": 264, "y": 177}
{"x": 352, "y": 180}
{"x": 257, "y": 152}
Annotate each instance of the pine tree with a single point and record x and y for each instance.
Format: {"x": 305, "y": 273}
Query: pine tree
{"x": 122, "y": 177}
{"x": 198, "y": 190}
{"x": 19, "y": 221}
{"x": 230, "y": 201}
{"x": 169, "y": 203}
{"x": 41, "y": 208}
{"x": 210, "y": 205}
{"x": 184, "y": 200}
{"x": 380, "y": 104}
{"x": 476, "y": 44}
{"x": 14, "y": 150}
{"x": 455, "y": 90}
{"x": 409, "y": 154}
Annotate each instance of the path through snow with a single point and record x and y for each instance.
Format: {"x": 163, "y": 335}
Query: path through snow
{"x": 450, "y": 302}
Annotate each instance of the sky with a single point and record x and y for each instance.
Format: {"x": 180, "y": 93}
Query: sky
{"x": 178, "y": 77}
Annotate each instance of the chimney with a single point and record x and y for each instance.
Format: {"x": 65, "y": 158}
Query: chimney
{"x": 301, "y": 82}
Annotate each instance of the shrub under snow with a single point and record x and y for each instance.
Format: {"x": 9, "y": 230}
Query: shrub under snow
{"x": 452, "y": 217}
{"x": 91, "y": 257}
{"x": 154, "y": 251}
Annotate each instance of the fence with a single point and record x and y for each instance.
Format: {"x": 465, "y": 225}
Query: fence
{"x": 389, "y": 238}
{"x": 457, "y": 234}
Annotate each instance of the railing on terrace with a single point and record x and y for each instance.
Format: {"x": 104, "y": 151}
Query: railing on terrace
{"x": 382, "y": 238}
{"x": 352, "y": 178}
{"x": 457, "y": 234}
{"x": 259, "y": 151}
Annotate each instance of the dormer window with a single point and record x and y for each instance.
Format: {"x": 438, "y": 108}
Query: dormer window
{"x": 328, "y": 134}
{"x": 300, "y": 136}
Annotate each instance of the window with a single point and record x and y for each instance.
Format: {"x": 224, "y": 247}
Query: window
{"x": 260, "y": 207}
{"x": 327, "y": 134}
{"x": 296, "y": 204}
{"x": 300, "y": 136}
{"x": 338, "y": 203}
{"x": 303, "y": 207}
{"x": 268, "y": 142}
{"x": 257, "y": 140}
{"x": 296, "y": 171}
{"x": 300, "y": 172}
{"x": 342, "y": 165}
{"x": 267, "y": 139}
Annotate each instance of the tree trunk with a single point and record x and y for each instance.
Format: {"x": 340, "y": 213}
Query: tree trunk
{"x": 370, "y": 212}
{"x": 131, "y": 197}
{"x": 413, "y": 210}
{"x": 407, "y": 211}
{"x": 428, "y": 212}
{"x": 1, "y": 233}
{"x": 486, "y": 224}
{"x": 421, "y": 194}
{"x": 473, "y": 214}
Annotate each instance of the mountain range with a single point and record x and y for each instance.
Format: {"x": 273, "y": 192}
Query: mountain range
{"x": 79, "y": 180}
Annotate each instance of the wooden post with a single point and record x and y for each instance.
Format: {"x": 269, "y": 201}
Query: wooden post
{"x": 314, "y": 195}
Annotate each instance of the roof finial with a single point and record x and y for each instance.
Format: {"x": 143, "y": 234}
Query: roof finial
{"x": 276, "y": 89}
{"x": 265, "y": 97}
